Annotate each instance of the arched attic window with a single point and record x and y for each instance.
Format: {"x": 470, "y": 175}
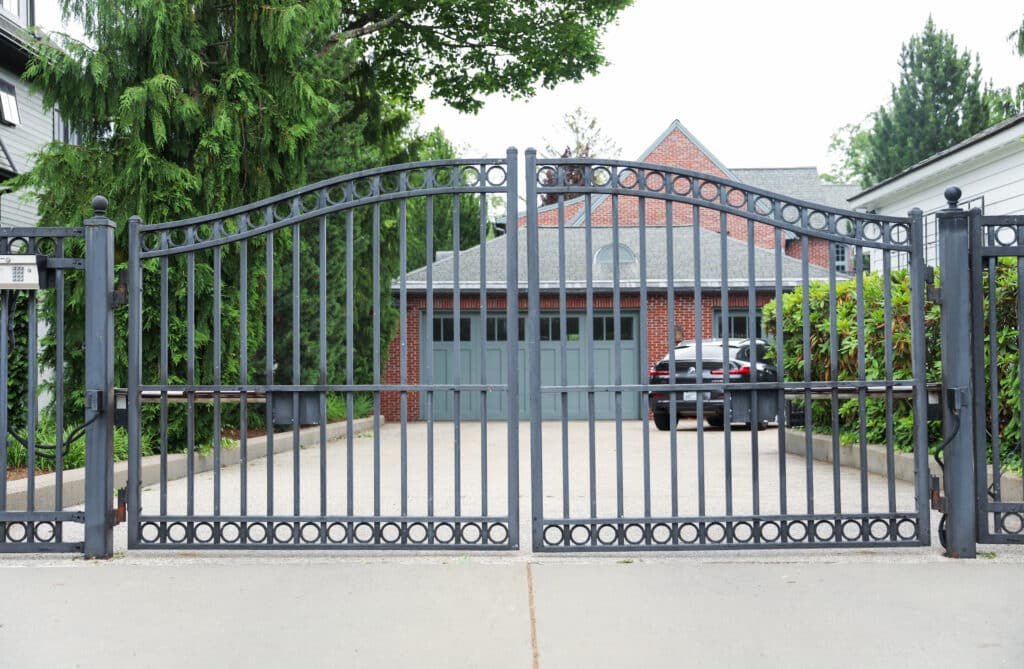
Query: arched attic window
{"x": 604, "y": 262}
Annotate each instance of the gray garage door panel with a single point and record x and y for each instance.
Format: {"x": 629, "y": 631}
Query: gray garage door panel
{"x": 577, "y": 366}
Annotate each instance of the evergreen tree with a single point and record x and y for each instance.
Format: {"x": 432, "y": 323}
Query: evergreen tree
{"x": 940, "y": 100}
{"x": 189, "y": 108}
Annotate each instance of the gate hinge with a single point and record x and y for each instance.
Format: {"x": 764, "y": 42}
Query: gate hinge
{"x": 938, "y": 501}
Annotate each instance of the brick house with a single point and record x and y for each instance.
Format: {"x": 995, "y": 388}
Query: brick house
{"x": 475, "y": 345}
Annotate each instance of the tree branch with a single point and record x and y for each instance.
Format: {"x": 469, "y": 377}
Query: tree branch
{"x": 368, "y": 28}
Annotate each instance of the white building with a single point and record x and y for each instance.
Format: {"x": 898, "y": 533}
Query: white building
{"x": 24, "y": 125}
{"x": 988, "y": 168}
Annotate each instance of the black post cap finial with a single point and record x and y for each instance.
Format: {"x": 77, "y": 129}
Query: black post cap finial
{"x": 952, "y": 196}
{"x": 99, "y": 205}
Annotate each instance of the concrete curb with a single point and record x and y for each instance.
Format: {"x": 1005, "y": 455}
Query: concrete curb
{"x": 849, "y": 456}
{"x": 177, "y": 465}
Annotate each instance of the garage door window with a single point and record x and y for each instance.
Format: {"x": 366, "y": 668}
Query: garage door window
{"x": 551, "y": 328}
{"x": 604, "y": 328}
{"x": 444, "y": 329}
{"x": 497, "y": 329}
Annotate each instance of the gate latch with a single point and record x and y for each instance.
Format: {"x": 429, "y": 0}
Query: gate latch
{"x": 938, "y": 501}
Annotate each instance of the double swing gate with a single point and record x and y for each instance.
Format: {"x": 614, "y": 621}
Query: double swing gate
{"x": 638, "y": 354}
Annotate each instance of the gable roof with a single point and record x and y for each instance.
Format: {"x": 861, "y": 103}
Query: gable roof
{"x": 802, "y": 183}
{"x": 577, "y": 260}
{"x": 675, "y": 148}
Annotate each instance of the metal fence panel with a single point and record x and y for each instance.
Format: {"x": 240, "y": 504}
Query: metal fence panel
{"x": 32, "y": 390}
{"x": 273, "y": 314}
{"x": 997, "y": 264}
{"x": 698, "y": 255}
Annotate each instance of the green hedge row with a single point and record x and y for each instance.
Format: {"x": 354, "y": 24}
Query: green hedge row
{"x": 849, "y": 311}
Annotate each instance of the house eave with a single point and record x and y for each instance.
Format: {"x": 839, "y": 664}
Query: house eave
{"x": 1004, "y": 137}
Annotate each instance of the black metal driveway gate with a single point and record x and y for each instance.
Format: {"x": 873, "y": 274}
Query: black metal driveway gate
{"x": 268, "y": 315}
{"x": 273, "y": 315}
{"x": 681, "y": 249}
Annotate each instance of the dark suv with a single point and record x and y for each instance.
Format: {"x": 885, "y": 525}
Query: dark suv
{"x": 737, "y": 355}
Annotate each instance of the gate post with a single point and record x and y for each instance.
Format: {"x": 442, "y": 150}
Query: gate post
{"x": 958, "y": 418}
{"x": 99, "y": 382}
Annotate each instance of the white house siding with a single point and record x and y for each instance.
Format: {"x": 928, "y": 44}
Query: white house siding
{"x": 23, "y": 140}
{"x": 989, "y": 172}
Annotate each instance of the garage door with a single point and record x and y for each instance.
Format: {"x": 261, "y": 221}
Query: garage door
{"x": 486, "y": 343}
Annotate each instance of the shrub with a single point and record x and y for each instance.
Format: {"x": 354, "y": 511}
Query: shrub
{"x": 875, "y": 329}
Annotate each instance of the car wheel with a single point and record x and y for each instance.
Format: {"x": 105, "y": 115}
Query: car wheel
{"x": 760, "y": 426}
{"x": 715, "y": 421}
{"x": 661, "y": 420}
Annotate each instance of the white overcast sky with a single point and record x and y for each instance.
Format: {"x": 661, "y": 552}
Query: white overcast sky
{"x": 760, "y": 84}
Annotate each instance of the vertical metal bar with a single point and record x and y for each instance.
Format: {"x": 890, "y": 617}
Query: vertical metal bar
{"x": 296, "y": 374}
{"x": 350, "y": 377}
{"x": 588, "y": 232}
{"x": 919, "y": 365}
{"x": 755, "y": 375}
{"x": 805, "y": 287}
{"x": 833, "y": 363}
{"x": 403, "y": 356}
{"x": 268, "y": 215}
{"x": 993, "y": 387}
{"x": 723, "y": 234}
{"x": 99, "y": 382}
{"x": 698, "y": 319}
{"x": 428, "y": 357}
{"x": 217, "y": 378}
{"x": 134, "y": 375}
{"x": 997, "y": 473}
{"x": 323, "y": 357}
{"x": 483, "y": 355}
{"x": 890, "y": 446}
{"x": 646, "y": 426}
{"x": 617, "y": 362}
{"x": 32, "y": 395}
{"x": 563, "y": 378}
{"x": 533, "y": 348}
{"x": 376, "y": 356}
{"x": 512, "y": 322}
{"x": 190, "y": 378}
{"x": 243, "y": 376}
{"x": 58, "y": 444}
{"x": 954, "y": 241}
{"x": 457, "y": 367}
{"x": 862, "y": 393}
{"x": 164, "y": 367}
{"x": 670, "y": 344}
{"x": 780, "y": 366}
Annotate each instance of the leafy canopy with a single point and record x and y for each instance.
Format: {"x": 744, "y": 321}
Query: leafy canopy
{"x": 189, "y": 108}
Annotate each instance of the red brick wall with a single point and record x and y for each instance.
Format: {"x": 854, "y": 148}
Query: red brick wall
{"x": 657, "y": 329}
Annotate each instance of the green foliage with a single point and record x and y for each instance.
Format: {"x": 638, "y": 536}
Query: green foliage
{"x": 189, "y": 108}
{"x": 940, "y": 100}
{"x": 337, "y": 406}
{"x": 847, "y": 312}
{"x": 16, "y": 304}
{"x": 846, "y": 365}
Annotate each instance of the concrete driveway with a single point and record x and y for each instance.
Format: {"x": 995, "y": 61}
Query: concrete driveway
{"x": 793, "y": 609}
